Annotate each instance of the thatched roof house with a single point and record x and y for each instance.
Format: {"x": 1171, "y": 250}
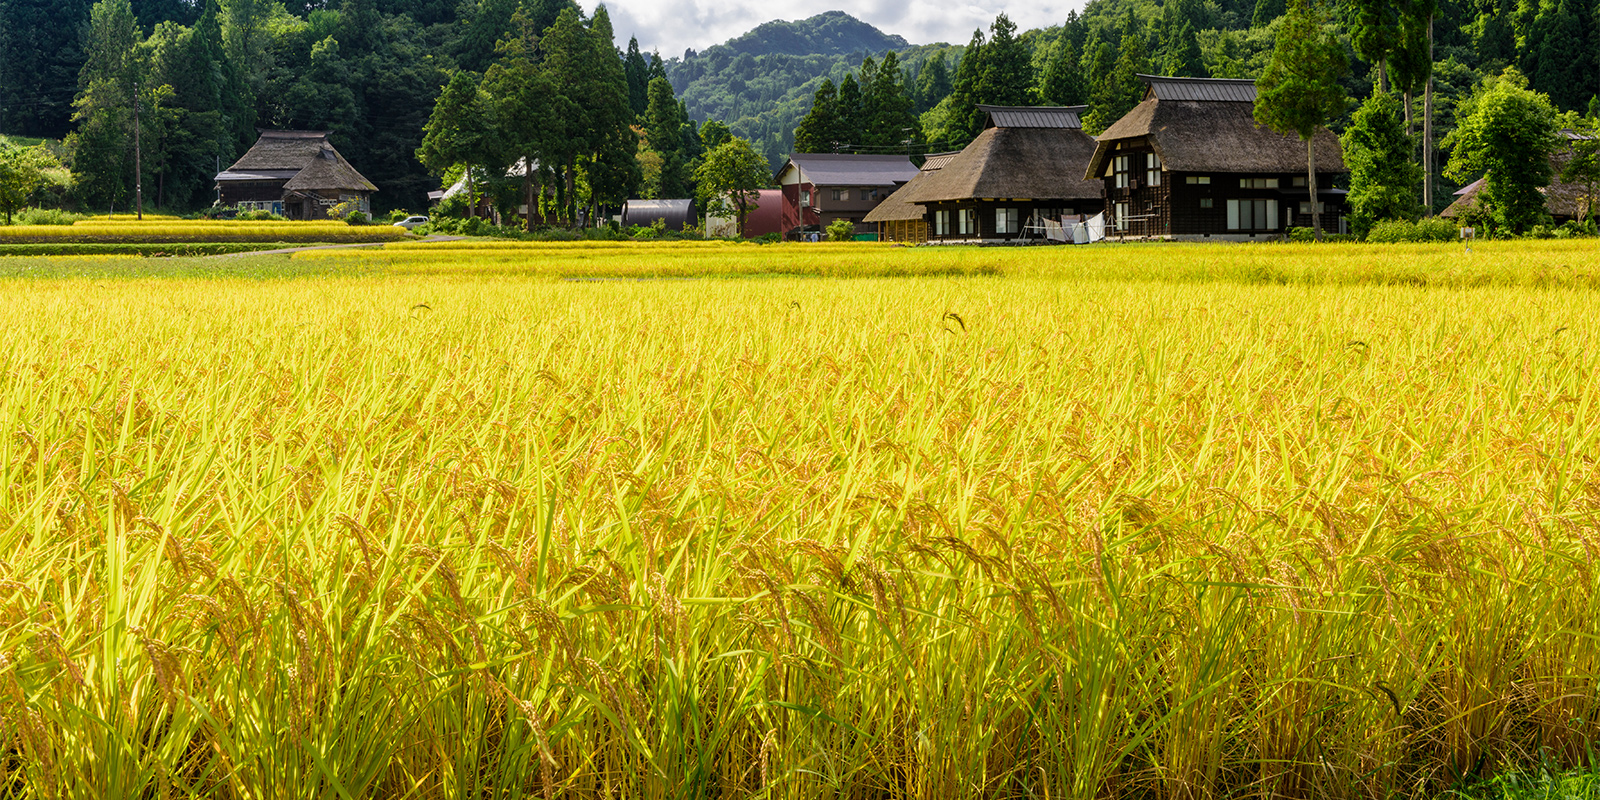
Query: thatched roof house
{"x": 295, "y": 173}
{"x": 900, "y": 220}
{"x": 1191, "y": 161}
{"x": 1023, "y": 168}
{"x": 1564, "y": 201}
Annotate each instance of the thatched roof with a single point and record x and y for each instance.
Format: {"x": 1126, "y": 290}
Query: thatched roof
{"x": 896, "y": 207}
{"x": 1560, "y": 199}
{"x": 329, "y": 170}
{"x": 1042, "y": 161}
{"x": 306, "y": 159}
{"x": 1207, "y": 125}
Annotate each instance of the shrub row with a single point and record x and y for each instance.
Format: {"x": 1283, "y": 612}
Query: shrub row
{"x": 183, "y": 249}
{"x": 1427, "y": 229}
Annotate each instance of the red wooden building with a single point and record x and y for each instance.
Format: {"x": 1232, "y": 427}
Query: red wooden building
{"x": 820, "y": 188}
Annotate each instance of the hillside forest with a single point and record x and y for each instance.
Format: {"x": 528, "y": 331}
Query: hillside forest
{"x": 603, "y": 121}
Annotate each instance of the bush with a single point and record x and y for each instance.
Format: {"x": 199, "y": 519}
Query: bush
{"x": 260, "y": 216}
{"x": 768, "y": 238}
{"x": 45, "y": 216}
{"x": 841, "y": 230}
{"x": 398, "y": 215}
{"x": 357, "y": 218}
{"x": 605, "y": 233}
{"x": 1429, "y": 229}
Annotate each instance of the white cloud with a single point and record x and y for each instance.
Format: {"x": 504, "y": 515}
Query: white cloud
{"x": 670, "y": 26}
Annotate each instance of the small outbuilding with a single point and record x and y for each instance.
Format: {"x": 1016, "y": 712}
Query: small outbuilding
{"x": 1191, "y": 162}
{"x": 298, "y": 174}
{"x": 1564, "y": 201}
{"x": 1021, "y": 177}
{"x": 766, "y": 217}
{"x": 900, "y": 220}
{"x": 676, "y": 214}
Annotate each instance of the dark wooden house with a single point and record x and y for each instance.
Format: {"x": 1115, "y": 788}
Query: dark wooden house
{"x": 1025, "y": 168}
{"x": 298, "y": 174}
{"x": 1190, "y": 162}
{"x": 899, "y": 219}
{"x": 820, "y": 188}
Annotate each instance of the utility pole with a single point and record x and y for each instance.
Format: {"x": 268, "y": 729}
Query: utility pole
{"x": 1427, "y": 129}
{"x": 138, "y": 157}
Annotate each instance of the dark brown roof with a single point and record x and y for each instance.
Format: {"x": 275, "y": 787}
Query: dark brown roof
{"x": 1198, "y": 135}
{"x": 305, "y": 158}
{"x": 1033, "y": 116}
{"x": 896, "y": 207}
{"x": 1016, "y": 163}
{"x": 329, "y": 170}
{"x": 279, "y": 150}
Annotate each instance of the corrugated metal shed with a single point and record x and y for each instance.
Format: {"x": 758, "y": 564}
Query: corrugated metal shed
{"x": 937, "y": 161}
{"x": 848, "y": 169}
{"x": 677, "y": 213}
{"x": 1218, "y": 90}
{"x": 1033, "y": 116}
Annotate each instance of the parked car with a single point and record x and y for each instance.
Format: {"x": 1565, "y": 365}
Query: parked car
{"x": 411, "y": 222}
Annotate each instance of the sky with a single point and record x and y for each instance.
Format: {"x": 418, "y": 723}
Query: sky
{"x": 670, "y": 26}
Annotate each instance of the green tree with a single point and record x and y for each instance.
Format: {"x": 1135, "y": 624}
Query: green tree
{"x": 1183, "y": 56}
{"x": 22, "y": 172}
{"x": 1583, "y": 164}
{"x": 1374, "y": 33}
{"x": 1265, "y": 12}
{"x": 730, "y": 179}
{"x": 41, "y": 55}
{"x": 713, "y": 134}
{"x": 519, "y": 106}
{"x": 1062, "y": 80}
{"x": 663, "y": 134}
{"x": 1506, "y": 133}
{"x": 850, "y": 110}
{"x": 1122, "y": 90}
{"x": 820, "y": 131}
{"x": 102, "y": 145}
{"x": 933, "y": 83}
{"x": 1384, "y": 181}
{"x": 1556, "y": 58}
{"x": 458, "y": 134}
{"x": 963, "y": 120}
{"x": 1299, "y": 92}
{"x": 1007, "y": 77}
{"x": 638, "y": 72}
{"x": 886, "y": 112}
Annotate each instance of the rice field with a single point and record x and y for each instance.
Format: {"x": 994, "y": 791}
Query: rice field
{"x": 805, "y": 522}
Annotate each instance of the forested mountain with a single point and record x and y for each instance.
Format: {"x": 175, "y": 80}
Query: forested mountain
{"x": 762, "y": 83}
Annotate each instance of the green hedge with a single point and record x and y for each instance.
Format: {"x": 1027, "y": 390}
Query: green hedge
{"x": 356, "y": 236}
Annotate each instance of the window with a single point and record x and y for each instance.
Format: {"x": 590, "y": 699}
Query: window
{"x": 1005, "y": 220}
{"x": 1121, "y": 221}
{"x": 1152, "y": 169}
{"x": 967, "y": 219}
{"x": 1198, "y": 180}
{"x": 941, "y": 222}
{"x": 1258, "y": 183}
{"x": 1206, "y": 202}
{"x": 866, "y": 194}
{"x": 805, "y": 198}
{"x": 1305, "y": 208}
{"x": 1252, "y": 215}
{"x": 838, "y": 194}
{"x": 1122, "y": 166}
{"x": 1301, "y": 182}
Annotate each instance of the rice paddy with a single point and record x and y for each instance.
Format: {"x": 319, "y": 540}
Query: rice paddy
{"x": 168, "y": 230}
{"x": 824, "y": 522}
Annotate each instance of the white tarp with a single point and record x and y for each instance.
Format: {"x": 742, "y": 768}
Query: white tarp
{"x": 1095, "y": 228}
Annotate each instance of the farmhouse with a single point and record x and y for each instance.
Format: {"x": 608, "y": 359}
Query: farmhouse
{"x": 821, "y": 188}
{"x": 1564, "y": 201}
{"x": 900, "y": 220}
{"x": 294, "y": 173}
{"x": 1190, "y": 162}
{"x": 1020, "y": 172}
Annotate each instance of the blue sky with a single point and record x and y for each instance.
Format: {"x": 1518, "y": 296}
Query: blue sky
{"x": 672, "y": 25}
